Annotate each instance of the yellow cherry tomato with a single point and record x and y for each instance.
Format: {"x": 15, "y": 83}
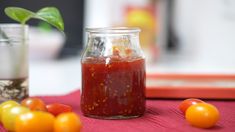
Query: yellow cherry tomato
{"x": 5, "y": 105}
{"x": 9, "y": 115}
{"x": 67, "y": 122}
{"x": 35, "y": 121}
{"x": 202, "y": 115}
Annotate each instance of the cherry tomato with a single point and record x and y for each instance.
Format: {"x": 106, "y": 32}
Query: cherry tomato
{"x": 187, "y": 103}
{"x": 9, "y": 115}
{"x": 35, "y": 121}
{"x": 34, "y": 104}
{"x": 57, "y": 108}
{"x": 202, "y": 115}
{"x": 5, "y": 105}
{"x": 67, "y": 122}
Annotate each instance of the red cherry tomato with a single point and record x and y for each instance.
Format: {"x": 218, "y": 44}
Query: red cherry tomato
{"x": 34, "y": 104}
{"x": 202, "y": 115}
{"x": 187, "y": 103}
{"x": 57, "y": 108}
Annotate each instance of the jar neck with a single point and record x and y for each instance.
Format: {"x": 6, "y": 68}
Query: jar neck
{"x": 113, "y": 42}
{"x": 115, "y": 39}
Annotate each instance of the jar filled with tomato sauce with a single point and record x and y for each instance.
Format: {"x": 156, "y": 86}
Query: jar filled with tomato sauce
{"x": 113, "y": 74}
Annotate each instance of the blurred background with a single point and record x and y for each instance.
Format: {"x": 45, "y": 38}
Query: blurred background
{"x": 178, "y": 36}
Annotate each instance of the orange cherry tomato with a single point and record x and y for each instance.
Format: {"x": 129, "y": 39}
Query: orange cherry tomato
{"x": 35, "y": 121}
{"x": 184, "y": 105}
{"x": 202, "y": 115}
{"x": 58, "y": 108}
{"x": 34, "y": 104}
{"x": 67, "y": 122}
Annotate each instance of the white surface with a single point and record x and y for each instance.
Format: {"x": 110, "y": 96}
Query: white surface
{"x": 64, "y": 76}
{"x": 54, "y": 77}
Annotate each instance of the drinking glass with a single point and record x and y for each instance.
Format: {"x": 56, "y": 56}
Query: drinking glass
{"x": 13, "y": 62}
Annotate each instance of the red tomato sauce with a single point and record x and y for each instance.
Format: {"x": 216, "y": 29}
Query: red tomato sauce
{"x": 113, "y": 87}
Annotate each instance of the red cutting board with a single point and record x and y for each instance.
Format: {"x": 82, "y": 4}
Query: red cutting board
{"x": 208, "y": 86}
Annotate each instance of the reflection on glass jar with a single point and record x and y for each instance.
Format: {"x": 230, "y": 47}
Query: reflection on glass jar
{"x": 113, "y": 74}
{"x": 13, "y": 62}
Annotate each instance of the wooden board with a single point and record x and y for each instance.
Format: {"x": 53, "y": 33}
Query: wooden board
{"x": 208, "y": 86}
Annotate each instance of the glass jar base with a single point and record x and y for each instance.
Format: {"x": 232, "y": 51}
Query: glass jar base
{"x": 117, "y": 117}
{"x": 17, "y": 100}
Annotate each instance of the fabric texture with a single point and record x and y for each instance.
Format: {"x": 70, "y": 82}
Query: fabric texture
{"x": 162, "y": 115}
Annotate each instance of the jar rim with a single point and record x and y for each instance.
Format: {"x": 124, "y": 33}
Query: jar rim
{"x": 115, "y": 30}
{"x": 6, "y": 36}
{"x": 12, "y": 25}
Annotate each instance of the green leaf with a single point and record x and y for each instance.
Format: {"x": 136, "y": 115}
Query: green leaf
{"x": 52, "y": 16}
{"x": 44, "y": 26}
{"x": 19, "y": 14}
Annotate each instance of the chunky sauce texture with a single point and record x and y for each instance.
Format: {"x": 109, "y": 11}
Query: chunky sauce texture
{"x": 113, "y": 87}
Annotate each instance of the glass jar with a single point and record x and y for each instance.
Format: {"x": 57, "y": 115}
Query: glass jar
{"x": 113, "y": 74}
{"x": 13, "y": 62}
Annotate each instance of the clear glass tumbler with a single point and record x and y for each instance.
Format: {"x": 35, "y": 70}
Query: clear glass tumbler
{"x": 113, "y": 74}
{"x": 13, "y": 62}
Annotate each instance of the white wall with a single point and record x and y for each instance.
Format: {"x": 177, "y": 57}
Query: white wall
{"x": 207, "y": 30}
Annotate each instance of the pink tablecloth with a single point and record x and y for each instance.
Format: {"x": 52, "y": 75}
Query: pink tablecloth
{"x": 161, "y": 115}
